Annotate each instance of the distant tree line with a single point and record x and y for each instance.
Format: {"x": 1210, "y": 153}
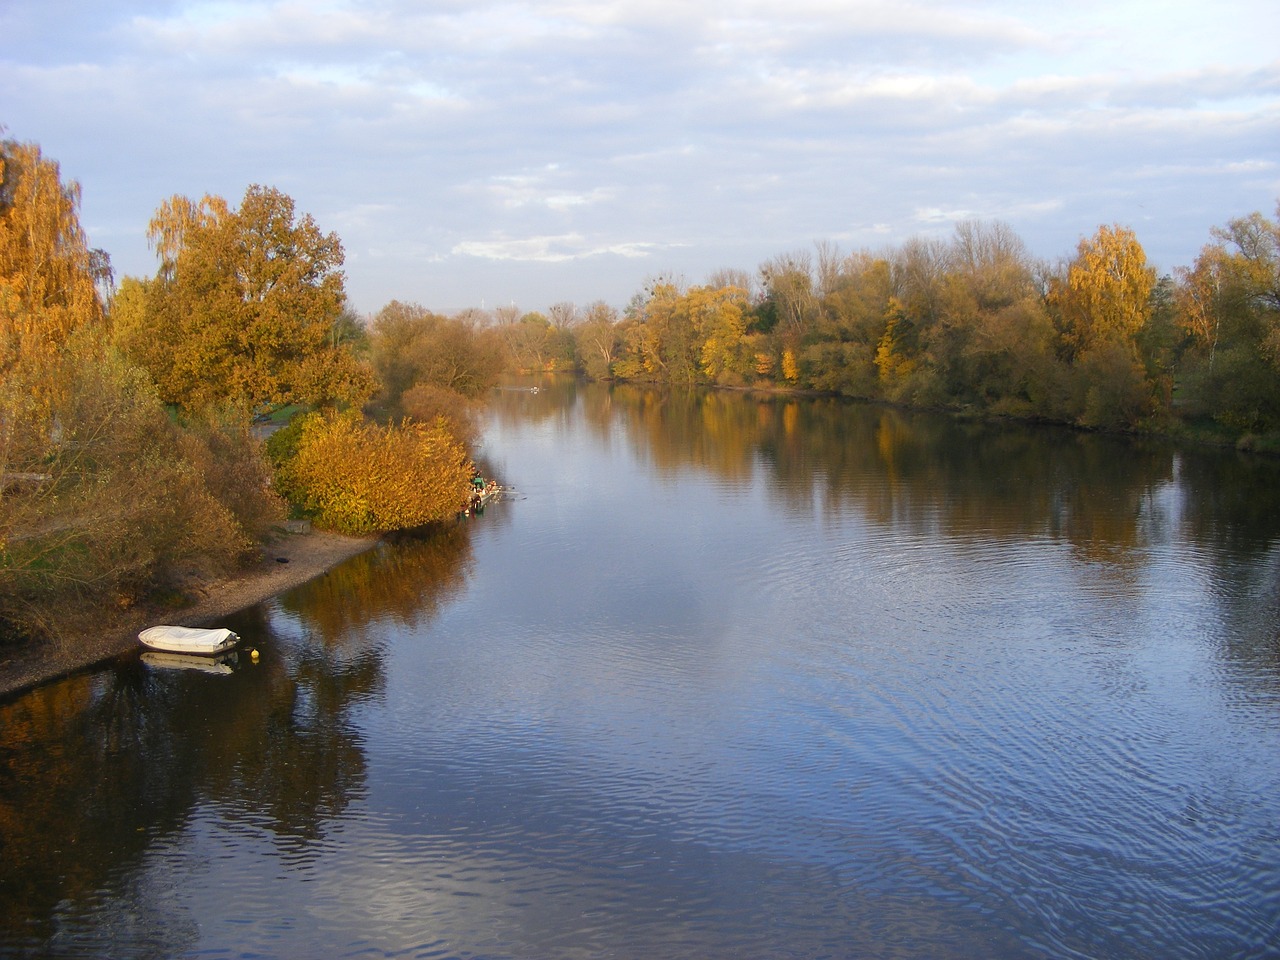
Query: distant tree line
{"x": 971, "y": 324}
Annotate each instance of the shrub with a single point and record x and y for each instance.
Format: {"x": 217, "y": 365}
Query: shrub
{"x": 233, "y": 465}
{"x": 115, "y": 507}
{"x": 358, "y": 478}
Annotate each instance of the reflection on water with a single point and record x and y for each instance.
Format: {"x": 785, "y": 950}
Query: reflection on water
{"x": 730, "y": 676}
{"x": 100, "y": 771}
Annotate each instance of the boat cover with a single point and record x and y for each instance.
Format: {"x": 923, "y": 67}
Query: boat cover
{"x": 189, "y": 639}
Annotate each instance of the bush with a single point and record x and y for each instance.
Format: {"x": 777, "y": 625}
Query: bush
{"x": 119, "y": 501}
{"x": 233, "y": 465}
{"x": 1113, "y": 389}
{"x": 359, "y": 478}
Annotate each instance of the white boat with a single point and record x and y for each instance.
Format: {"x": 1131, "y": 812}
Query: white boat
{"x": 204, "y": 642}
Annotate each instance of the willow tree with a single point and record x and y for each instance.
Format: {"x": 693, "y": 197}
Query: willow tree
{"x": 48, "y": 274}
{"x": 243, "y": 307}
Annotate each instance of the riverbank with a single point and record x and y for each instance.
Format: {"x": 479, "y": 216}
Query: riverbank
{"x": 289, "y": 561}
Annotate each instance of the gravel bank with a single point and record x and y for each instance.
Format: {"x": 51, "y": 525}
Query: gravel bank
{"x": 307, "y": 555}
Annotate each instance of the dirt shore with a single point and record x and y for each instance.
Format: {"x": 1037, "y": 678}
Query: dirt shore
{"x": 290, "y": 560}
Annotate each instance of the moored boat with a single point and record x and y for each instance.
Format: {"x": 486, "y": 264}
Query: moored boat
{"x": 205, "y": 642}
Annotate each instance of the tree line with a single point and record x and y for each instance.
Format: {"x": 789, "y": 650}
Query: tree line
{"x": 971, "y": 324}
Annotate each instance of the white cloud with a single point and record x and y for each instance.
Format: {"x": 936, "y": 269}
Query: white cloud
{"x": 550, "y": 249}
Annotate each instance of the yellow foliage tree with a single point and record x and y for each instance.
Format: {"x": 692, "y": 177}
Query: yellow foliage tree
{"x": 790, "y": 369}
{"x": 243, "y": 307}
{"x": 720, "y": 323}
{"x": 47, "y": 271}
{"x": 359, "y": 477}
{"x": 895, "y": 356}
{"x": 1106, "y": 297}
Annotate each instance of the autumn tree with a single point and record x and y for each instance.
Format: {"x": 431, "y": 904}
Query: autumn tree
{"x": 536, "y": 343}
{"x": 993, "y": 337}
{"x": 597, "y": 340}
{"x": 1105, "y": 297}
{"x": 841, "y": 353}
{"x": 48, "y": 274}
{"x": 719, "y": 319}
{"x": 102, "y": 496}
{"x": 246, "y": 307}
{"x": 113, "y": 499}
{"x": 662, "y": 344}
{"x": 1100, "y": 306}
{"x": 789, "y": 293}
{"x": 1228, "y": 303}
{"x": 410, "y": 346}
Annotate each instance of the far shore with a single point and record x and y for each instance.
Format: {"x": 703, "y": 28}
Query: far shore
{"x": 288, "y": 561}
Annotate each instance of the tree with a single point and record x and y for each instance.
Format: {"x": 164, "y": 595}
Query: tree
{"x": 719, "y": 320}
{"x": 48, "y": 274}
{"x": 1106, "y": 295}
{"x": 534, "y": 343}
{"x": 788, "y": 285}
{"x": 410, "y": 346}
{"x": 598, "y": 340}
{"x": 562, "y": 314}
{"x": 103, "y": 497}
{"x": 992, "y": 344}
{"x": 1100, "y": 307}
{"x": 1257, "y": 271}
{"x": 662, "y": 344}
{"x": 849, "y": 328}
{"x": 247, "y": 307}
{"x": 112, "y": 498}
{"x": 1229, "y": 305}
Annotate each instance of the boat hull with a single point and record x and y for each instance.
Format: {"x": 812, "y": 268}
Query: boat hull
{"x": 189, "y": 640}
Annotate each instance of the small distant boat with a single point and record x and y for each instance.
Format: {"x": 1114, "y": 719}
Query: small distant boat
{"x": 482, "y": 492}
{"x": 205, "y": 642}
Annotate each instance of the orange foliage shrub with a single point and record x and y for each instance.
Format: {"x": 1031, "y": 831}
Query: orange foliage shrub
{"x": 357, "y": 477}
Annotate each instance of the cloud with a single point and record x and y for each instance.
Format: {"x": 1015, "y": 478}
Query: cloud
{"x": 550, "y": 249}
{"x": 514, "y": 191}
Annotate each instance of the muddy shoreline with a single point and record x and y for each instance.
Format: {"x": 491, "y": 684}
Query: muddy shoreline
{"x": 288, "y": 561}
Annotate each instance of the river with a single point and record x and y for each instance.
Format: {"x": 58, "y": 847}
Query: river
{"x": 722, "y": 676}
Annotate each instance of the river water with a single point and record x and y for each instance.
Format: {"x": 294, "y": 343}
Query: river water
{"x": 723, "y": 677}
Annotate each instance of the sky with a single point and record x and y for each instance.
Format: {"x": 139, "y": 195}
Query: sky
{"x": 472, "y": 153}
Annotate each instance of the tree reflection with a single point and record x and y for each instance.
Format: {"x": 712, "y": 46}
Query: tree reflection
{"x": 405, "y": 579}
{"x": 1113, "y": 500}
{"x": 88, "y": 773}
{"x": 98, "y": 768}
{"x": 923, "y": 472}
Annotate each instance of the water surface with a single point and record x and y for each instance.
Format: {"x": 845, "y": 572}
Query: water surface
{"x": 725, "y": 677}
